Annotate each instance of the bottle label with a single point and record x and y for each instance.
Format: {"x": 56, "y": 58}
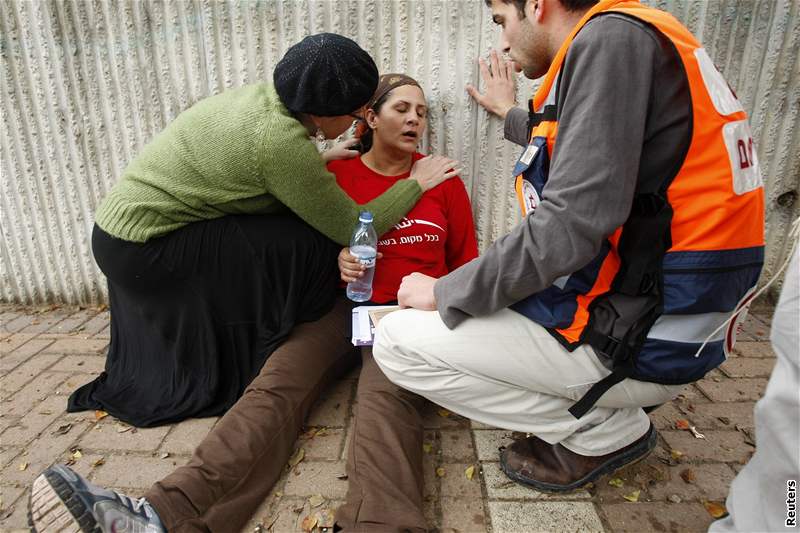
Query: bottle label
{"x": 368, "y": 262}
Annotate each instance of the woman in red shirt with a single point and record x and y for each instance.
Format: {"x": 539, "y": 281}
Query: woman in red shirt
{"x": 438, "y": 234}
{"x": 384, "y": 463}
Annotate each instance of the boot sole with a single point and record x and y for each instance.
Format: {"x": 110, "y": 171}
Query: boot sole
{"x": 54, "y": 506}
{"x": 630, "y": 457}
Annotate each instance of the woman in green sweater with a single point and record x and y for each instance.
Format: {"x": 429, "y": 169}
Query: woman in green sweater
{"x": 222, "y": 235}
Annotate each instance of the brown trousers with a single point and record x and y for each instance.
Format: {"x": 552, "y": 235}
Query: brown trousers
{"x": 236, "y": 465}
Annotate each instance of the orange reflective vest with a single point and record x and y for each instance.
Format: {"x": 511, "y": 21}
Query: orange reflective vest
{"x": 691, "y": 251}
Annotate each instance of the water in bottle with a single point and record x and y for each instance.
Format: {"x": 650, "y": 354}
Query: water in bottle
{"x": 363, "y": 245}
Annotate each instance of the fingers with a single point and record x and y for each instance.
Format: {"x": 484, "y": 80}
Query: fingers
{"x": 485, "y": 74}
{"x": 350, "y": 142}
{"x": 496, "y": 70}
{"x": 450, "y": 174}
{"x": 510, "y": 72}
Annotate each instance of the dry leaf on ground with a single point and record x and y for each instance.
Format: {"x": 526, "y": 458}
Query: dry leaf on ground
{"x": 615, "y": 482}
{"x": 23, "y": 466}
{"x": 717, "y": 510}
{"x": 309, "y": 523}
{"x": 440, "y": 472}
{"x": 427, "y": 447}
{"x": 325, "y": 518}
{"x": 63, "y": 429}
{"x": 675, "y": 454}
{"x": 122, "y": 428}
{"x": 688, "y": 475}
{"x": 444, "y": 413}
{"x": 295, "y": 459}
{"x": 316, "y": 500}
{"x": 99, "y": 462}
{"x": 99, "y": 415}
{"x": 682, "y": 424}
{"x": 633, "y": 496}
{"x": 470, "y": 472}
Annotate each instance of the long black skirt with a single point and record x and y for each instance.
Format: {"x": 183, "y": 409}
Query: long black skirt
{"x": 196, "y": 313}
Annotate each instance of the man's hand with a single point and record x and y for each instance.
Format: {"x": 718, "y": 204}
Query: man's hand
{"x": 500, "y": 86}
{"x": 416, "y": 290}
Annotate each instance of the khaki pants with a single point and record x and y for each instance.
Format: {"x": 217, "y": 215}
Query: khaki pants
{"x": 236, "y": 465}
{"x": 509, "y": 372}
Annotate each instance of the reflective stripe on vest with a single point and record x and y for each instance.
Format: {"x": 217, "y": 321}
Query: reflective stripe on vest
{"x": 717, "y": 225}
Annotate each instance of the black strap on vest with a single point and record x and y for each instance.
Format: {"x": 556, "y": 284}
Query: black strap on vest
{"x": 547, "y": 114}
{"x": 620, "y": 319}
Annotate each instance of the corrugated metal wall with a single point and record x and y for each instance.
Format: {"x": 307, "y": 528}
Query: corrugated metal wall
{"x": 85, "y": 84}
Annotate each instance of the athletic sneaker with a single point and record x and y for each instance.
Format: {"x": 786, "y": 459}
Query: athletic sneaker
{"x": 62, "y": 500}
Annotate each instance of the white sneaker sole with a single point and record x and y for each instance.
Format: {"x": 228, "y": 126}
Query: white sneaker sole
{"x": 49, "y": 508}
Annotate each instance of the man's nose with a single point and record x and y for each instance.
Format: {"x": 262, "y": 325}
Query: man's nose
{"x": 503, "y": 44}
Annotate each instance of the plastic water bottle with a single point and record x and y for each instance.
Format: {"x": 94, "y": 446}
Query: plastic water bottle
{"x": 364, "y": 246}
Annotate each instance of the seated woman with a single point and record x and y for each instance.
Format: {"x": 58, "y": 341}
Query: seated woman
{"x": 217, "y": 246}
{"x": 384, "y": 463}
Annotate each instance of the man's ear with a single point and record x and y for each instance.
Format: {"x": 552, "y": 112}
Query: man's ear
{"x": 535, "y": 9}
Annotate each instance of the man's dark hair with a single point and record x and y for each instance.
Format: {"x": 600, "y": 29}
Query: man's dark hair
{"x": 569, "y": 5}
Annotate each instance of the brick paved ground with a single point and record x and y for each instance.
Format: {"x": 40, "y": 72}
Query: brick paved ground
{"x": 47, "y": 353}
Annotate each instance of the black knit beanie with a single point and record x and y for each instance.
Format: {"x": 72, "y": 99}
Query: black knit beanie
{"x": 325, "y": 74}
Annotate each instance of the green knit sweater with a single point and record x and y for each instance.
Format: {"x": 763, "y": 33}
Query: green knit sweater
{"x": 239, "y": 152}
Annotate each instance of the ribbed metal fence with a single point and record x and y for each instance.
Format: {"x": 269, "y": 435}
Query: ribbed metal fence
{"x": 86, "y": 84}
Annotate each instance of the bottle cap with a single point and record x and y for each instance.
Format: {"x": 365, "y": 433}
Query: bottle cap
{"x": 365, "y": 216}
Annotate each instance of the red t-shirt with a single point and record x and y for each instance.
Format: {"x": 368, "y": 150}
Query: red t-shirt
{"x": 435, "y": 237}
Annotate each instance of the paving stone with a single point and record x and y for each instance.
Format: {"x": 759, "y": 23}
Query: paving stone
{"x": 41, "y": 453}
{"x": 752, "y": 349}
{"x": 317, "y": 478}
{"x": 85, "y": 465}
{"x": 500, "y": 487}
{"x": 29, "y": 426}
{"x": 96, "y": 324}
{"x": 748, "y": 367}
{"x": 333, "y": 407}
{"x": 430, "y": 482}
{"x": 456, "y": 445}
{"x": 109, "y": 437}
{"x": 186, "y": 435}
{"x": 711, "y": 482}
{"x": 39, "y": 323}
{"x": 641, "y": 476}
{"x": 104, "y": 333}
{"x": 718, "y": 446}
{"x": 7, "y": 454}
{"x": 20, "y": 322}
{"x": 753, "y": 329}
{"x": 474, "y": 424}
{"x": 14, "y": 507}
{"x": 76, "y": 345}
{"x": 262, "y": 517}
{"x": 35, "y": 391}
{"x": 24, "y": 373}
{"x": 348, "y": 438}
{"x": 733, "y": 390}
{"x": 524, "y": 517}
{"x": 463, "y": 515}
{"x": 436, "y": 417}
{"x": 73, "y": 322}
{"x": 715, "y": 415}
{"x": 665, "y": 416}
{"x": 326, "y": 446}
{"x": 691, "y": 395}
{"x": 455, "y": 484}
{"x": 672, "y": 517}
{"x": 285, "y": 517}
{"x": 13, "y": 341}
{"x": 487, "y": 441}
{"x": 92, "y": 364}
{"x": 131, "y": 471}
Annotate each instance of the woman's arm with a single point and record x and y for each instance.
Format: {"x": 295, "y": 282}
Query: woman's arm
{"x": 295, "y": 174}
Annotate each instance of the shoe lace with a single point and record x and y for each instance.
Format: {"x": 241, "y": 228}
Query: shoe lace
{"x": 138, "y": 506}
